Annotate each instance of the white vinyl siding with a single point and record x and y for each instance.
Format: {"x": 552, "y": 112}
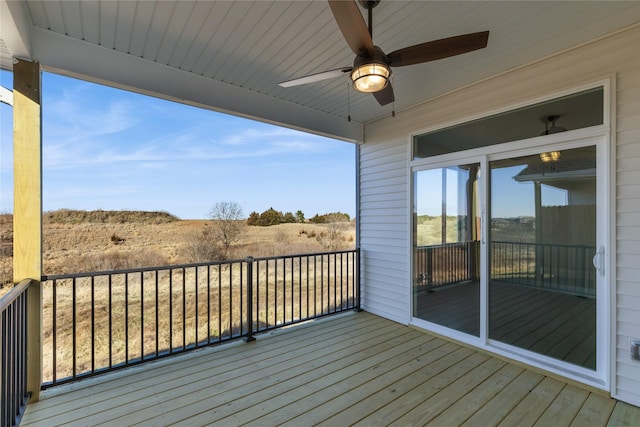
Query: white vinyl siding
{"x": 384, "y": 180}
{"x": 384, "y": 188}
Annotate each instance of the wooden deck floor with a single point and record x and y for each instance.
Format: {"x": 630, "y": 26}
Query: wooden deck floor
{"x": 552, "y": 323}
{"x": 352, "y": 369}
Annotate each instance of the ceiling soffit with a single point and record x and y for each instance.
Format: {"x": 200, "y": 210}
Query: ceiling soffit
{"x": 244, "y": 49}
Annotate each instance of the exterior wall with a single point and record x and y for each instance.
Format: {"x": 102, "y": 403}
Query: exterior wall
{"x": 384, "y": 192}
{"x": 385, "y": 184}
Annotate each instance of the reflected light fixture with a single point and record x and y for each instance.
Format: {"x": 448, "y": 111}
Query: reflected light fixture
{"x": 553, "y": 129}
{"x": 551, "y": 156}
{"x": 370, "y": 74}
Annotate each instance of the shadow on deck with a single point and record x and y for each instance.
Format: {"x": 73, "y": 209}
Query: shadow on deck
{"x": 354, "y": 368}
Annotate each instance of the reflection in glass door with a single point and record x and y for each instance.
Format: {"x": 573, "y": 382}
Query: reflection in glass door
{"x": 446, "y": 284}
{"x": 542, "y": 286}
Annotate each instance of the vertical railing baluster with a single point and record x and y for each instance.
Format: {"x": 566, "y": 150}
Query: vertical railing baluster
{"x": 197, "y": 286}
{"x": 110, "y": 322}
{"x": 219, "y": 302}
{"x": 249, "y": 337}
{"x": 208, "y": 304}
{"x": 266, "y": 303}
{"x": 157, "y": 314}
{"x": 307, "y": 267}
{"x": 342, "y": 307}
{"x": 184, "y": 308}
{"x": 170, "y": 271}
{"x": 230, "y": 300}
{"x": 299, "y": 287}
{"x": 322, "y": 283}
{"x": 335, "y": 282}
{"x": 54, "y": 327}
{"x": 349, "y": 303}
{"x": 126, "y": 318}
{"x": 241, "y": 300}
{"x": 74, "y": 326}
{"x": 257, "y": 284}
{"x": 141, "y": 315}
{"x": 93, "y": 325}
{"x": 11, "y": 368}
{"x": 284, "y": 291}
{"x": 356, "y": 270}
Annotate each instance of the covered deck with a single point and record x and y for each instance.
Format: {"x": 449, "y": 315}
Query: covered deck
{"x": 347, "y": 369}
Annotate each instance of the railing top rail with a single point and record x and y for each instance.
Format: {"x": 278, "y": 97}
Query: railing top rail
{"x": 347, "y": 251}
{"x": 553, "y": 245}
{"x": 440, "y": 245}
{"x": 138, "y": 270}
{"x": 180, "y": 266}
{"x": 14, "y": 293}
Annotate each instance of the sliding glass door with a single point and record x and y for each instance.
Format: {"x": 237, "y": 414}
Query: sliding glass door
{"x": 446, "y": 288}
{"x": 531, "y": 284}
{"x": 542, "y": 241}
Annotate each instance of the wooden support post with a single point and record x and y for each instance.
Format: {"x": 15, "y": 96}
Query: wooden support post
{"x": 27, "y": 207}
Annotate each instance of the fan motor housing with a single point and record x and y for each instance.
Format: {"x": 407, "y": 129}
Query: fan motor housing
{"x": 368, "y": 4}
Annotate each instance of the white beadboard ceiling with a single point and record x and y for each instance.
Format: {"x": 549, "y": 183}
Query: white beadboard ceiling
{"x": 231, "y": 55}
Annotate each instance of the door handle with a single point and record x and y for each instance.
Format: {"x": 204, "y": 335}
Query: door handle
{"x": 598, "y": 260}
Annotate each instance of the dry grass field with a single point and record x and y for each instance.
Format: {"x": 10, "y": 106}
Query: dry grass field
{"x": 78, "y": 246}
{"x": 129, "y": 316}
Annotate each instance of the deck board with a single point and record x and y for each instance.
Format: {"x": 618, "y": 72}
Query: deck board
{"x": 350, "y": 369}
{"x": 544, "y": 321}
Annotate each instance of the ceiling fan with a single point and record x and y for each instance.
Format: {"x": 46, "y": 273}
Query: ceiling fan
{"x": 372, "y": 67}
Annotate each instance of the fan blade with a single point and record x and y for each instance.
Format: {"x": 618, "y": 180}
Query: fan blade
{"x": 316, "y": 77}
{"x": 352, "y": 26}
{"x": 438, "y": 49}
{"x": 385, "y": 96}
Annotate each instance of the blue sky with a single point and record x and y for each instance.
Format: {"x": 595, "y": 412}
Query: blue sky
{"x": 510, "y": 198}
{"x": 110, "y": 149}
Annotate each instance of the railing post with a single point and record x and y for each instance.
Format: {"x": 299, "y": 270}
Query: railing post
{"x": 358, "y": 290}
{"x": 34, "y": 339}
{"x": 249, "y": 337}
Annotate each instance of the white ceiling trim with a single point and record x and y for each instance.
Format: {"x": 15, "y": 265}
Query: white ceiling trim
{"x": 16, "y": 28}
{"x": 6, "y": 96}
{"x": 101, "y": 65}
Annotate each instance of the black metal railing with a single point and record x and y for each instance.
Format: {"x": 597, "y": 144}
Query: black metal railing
{"x": 563, "y": 268}
{"x": 13, "y": 355}
{"x": 447, "y": 263}
{"x": 101, "y": 321}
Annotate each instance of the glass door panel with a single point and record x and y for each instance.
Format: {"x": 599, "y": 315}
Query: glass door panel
{"x": 446, "y": 249}
{"x": 542, "y": 283}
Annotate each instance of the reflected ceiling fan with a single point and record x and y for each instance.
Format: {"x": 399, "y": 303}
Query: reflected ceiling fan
{"x": 372, "y": 67}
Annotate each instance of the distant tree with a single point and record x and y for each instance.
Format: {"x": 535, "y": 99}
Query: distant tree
{"x": 228, "y": 224}
{"x": 254, "y": 218}
{"x": 299, "y": 216}
{"x": 288, "y": 218}
{"x": 335, "y": 224}
{"x": 271, "y": 217}
{"x": 330, "y": 217}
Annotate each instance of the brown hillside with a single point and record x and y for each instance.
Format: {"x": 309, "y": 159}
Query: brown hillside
{"x": 81, "y": 242}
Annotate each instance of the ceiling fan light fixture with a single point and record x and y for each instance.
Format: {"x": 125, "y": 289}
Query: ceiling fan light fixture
{"x": 370, "y": 77}
{"x": 551, "y": 156}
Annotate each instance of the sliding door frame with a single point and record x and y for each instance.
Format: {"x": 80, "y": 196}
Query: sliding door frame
{"x": 597, "y": 136}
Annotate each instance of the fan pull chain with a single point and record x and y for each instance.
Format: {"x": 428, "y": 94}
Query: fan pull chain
{"x": 348, "y": 103}
{"x": 393, "y": 110}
